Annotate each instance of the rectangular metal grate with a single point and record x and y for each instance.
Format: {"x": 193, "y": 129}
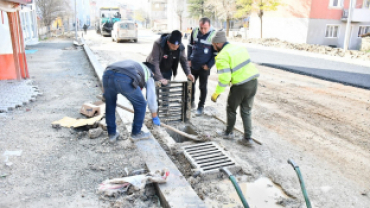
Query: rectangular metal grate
{"x": 174, "y": 101}
{"x": 208, "y": 157}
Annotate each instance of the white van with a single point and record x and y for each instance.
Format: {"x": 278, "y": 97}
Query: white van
{"x": 124, "y": 30}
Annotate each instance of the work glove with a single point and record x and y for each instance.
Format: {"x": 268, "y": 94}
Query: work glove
{"x": 214, "y": 97}
{"x": 156, "y": 121}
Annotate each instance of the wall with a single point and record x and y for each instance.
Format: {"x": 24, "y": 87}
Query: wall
{"x": 322, "y": 14}
{"x": 317, "y": 29}
{"x": 290, "y": 29}
{"x": 321, "y": 10}
{"x": 355, "y": 42}
{"x": 289, "y": 22}
{"x": 29, "y": 23}
{"x": 7, "y": 68}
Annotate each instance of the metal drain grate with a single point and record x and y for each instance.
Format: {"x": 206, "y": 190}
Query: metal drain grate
{"x": 208, "y": 157}
{"x": 174, "y": 101}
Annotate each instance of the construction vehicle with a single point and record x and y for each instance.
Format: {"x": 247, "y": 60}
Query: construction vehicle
{"x": 107, "y": 17}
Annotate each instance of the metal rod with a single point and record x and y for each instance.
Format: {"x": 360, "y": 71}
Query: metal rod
{"x": 76, "y": 19}
{"x": 301, "y": 182}
{"x": 192, "y": 137}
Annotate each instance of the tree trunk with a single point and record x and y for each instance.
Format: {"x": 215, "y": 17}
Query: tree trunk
{"x": 180, "y": 23}
{"x": 261, "y": 26}
{"x": 227, "y": 26}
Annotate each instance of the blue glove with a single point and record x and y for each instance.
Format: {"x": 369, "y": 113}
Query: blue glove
{"x": 156, "y": 121}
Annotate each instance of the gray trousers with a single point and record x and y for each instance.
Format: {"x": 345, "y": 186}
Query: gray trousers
{"x": 241, "y": 96}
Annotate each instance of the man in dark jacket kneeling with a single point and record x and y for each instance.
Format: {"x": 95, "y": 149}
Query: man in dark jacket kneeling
{"x": 128, "y": 78}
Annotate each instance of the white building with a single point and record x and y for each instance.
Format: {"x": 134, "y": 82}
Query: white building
{"x": 28, "y": 16}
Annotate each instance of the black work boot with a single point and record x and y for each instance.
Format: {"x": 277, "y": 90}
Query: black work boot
{"x": 139, "y": 136}
{"x": 113, "y": 138}
{"x": 193, "y": 106}
{"x": 199, "y": 111}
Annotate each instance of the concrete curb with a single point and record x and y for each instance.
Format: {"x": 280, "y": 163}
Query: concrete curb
{"x": 177, "y": 192}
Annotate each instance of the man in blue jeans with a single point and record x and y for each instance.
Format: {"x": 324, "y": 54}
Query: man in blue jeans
{"x": 129, "y": 77}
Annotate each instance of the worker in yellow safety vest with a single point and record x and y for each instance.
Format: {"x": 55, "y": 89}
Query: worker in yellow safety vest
{"x": 234, "y": 68}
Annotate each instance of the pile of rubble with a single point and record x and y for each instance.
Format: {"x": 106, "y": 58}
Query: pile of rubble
{"x": 365, "y": 43}
{"x": 276, "y": 43}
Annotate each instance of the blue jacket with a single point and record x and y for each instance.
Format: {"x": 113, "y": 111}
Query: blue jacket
{"x": 200, "y": 50}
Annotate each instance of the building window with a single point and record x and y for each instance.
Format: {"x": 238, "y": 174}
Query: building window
{"x": 336, "y": 3}
{"x": 332, "y": 31}
{"x": 363, "y": 30}
{"x": 366, "y": 4}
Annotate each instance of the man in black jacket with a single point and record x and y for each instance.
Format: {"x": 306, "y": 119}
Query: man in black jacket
{"x": 167, "y": 53}
{"x": 201, "y": 57}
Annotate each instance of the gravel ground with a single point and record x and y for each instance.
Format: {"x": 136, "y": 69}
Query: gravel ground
{"x": 62, "y": 167}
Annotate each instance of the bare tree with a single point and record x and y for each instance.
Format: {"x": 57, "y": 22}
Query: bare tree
{"x": 179, "y": 9}
{"x": 245, "y": 7}
{"x": 224, "y": 9}
{"x": 51, "y": 9}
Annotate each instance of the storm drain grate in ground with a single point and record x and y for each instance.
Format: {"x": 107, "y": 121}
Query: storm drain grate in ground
{"x": 208, "y": 157}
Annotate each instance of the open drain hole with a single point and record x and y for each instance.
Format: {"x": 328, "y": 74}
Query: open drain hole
{"x": 184, "y": 128}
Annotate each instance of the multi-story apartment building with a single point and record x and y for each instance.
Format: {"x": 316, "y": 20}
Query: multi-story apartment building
{"x": 158, "y": 14}
{"x": 166, "y": 13}
{"x": 320, "y": 22}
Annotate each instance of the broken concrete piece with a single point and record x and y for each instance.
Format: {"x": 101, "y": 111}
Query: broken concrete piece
{"x": 72, "y": 122}
{"x": 137, "y": 181}
{"x": 95, "y": 133}
{"x": 103, "y": 124}
{"x": 93, "y": 109}
{"x": 96, "y": 167}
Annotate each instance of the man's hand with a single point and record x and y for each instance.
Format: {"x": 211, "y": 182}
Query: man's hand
{"x": 189, "y": 62}
{"x": 205, "y": 67}
{"x": 191, "y": 77}
{"x": 164, "y": 81}
{"x": 214, "y": 97}
{"x": 156, "y": 121}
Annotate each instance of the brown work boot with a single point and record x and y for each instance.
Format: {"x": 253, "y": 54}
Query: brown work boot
{"x": 246, "y": 142}
{"x": 226, "y": 135}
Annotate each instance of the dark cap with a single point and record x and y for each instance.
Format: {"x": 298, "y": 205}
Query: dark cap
{"x": 175, "y": 37}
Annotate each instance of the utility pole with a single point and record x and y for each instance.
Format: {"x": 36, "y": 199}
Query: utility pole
{"x": 76, "y": 19}
{"x": 348, "y": 26}
{"x": 260, "y": 15}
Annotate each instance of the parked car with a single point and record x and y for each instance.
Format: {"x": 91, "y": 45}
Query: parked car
{"x": 124, "y": 30}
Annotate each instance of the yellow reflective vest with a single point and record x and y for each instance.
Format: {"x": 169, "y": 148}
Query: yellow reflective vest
{"x": 234, "y": 67}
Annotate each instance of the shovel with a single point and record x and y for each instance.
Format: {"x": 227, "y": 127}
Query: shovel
{"x": 189, "y": 136}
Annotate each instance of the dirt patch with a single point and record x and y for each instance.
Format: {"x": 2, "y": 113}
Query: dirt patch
{"x": 216, "y": 189}
{"x": 60, "y": 167}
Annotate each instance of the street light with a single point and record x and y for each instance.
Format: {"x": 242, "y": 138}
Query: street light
{"x": 76, "y": 19}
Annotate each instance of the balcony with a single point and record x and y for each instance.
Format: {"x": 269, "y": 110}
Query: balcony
{"x": 358, "y": 15}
